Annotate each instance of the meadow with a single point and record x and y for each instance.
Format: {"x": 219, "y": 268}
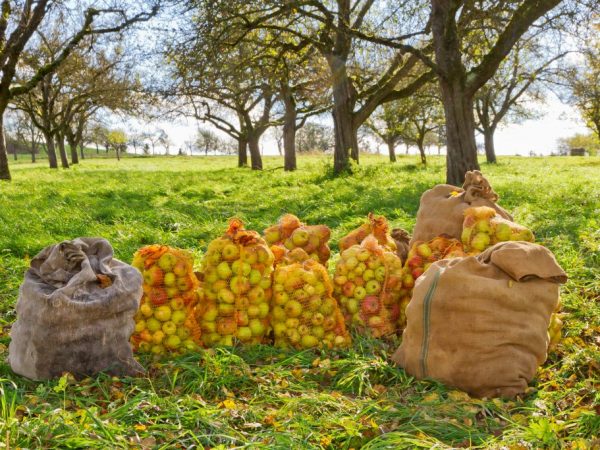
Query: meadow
{"x": 262, "y": 397}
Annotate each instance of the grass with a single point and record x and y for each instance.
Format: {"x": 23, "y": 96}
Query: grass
{"x": 260, "y": 396}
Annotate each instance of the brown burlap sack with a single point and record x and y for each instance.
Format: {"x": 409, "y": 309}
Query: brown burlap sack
{"x": 75, "y": 313}
{"x": 441, "y": 210}
{"x": 401, "y": 238}
{"x": 481, "y": 323}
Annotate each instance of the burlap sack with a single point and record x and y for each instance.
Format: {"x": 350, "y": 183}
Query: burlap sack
{"x": 401, "y": 238}
{"x": 441, "y": 210}
{"x": 75, "y": 313}
{"x": 481, "y": 323}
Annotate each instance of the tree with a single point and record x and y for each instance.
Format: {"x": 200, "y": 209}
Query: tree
{"x": 207, "y": 141}
{"x": 164, "y": 140}
{"x": 96, "y": 133}
{"x": 117, "y": 139}
{"x": 315, "y": 137}
{"x": 518, "y": 81}
{"x": 589, "y": 142}
{"x": 584, "y": 83}
{"x": 18, "y": 23}
{"x": 338, "y": 31}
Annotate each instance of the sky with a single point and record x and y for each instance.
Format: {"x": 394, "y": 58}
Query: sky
{"x": 540, "y": 135}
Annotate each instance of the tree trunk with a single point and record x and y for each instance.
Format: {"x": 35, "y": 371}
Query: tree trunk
{"x": 97, "y": 149}
{"x": 242, "y": 152}
{"x": 391, "y": 143}
{"x": 61, "y": 150}
{"x": 74, "y": 154}
{"x": 289, "y": 132}
{"x": 490, "y": 152}
{"x": 346, "y": 139}
{"x": 253, "y": 146}
{"x": 422, "y": 152}
{"x": 33, "y": 148}
{"x": 81, "y": 151}
{"x": 461, "y": 154}
{"x": 51, "y": 150}
{"x": 117, "y": 152}
{"x": 15, "y": 157}
{"x": 4, "y": 170}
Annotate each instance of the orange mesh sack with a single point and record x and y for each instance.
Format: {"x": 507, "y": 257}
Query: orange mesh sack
{"x": 290, "y": 233}
{"x": 165, "y": 322}
{"x": 304, "y": 313}
{"x": 375, "y": 225}
{"x": 419, "y": 258}
{"x": 441, "y": 208}
{"x": 367, "y": 285}
{"x": 483, "y": 228}
{"x": 237, "y": 271}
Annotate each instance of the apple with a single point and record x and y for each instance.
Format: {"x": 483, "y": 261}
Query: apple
{"x": 360, "y": 292}
{"x": 370, "y": 305}
{"x": 281, "y": 298}
{"x": 279, "y": 329}
{"x": 163, "y": 313}
{"x": 309, "y": 341}
{"x": 272, "y": 235}
{"x": 226, "y": 309}
{"x": 263, "y": 255}
{"x": 363, "y": 255}
{"x": 264, "y": 310}
{"x": 240, "y": 267}
{"x": 153, "y": 276}
{"x": 239, "y": 284}
{"x": 190, "y": 345}
{"x": 368, "y": 274}
{"x": 483, "y": 226}
{"x": 167, "y": 261}
{"x": 352, "y": 306}
{"x": 158, "y": 336}
{"x": 265, "y": 282}
{"x": 340, "y": 280}
{"x": 178, "y": 316}
{"x": 172, "y": 342}
{"x": 417, "y": 272}
{"x": 244, "y": 334}
{"x": 340, "y": 341}
{"x": 314, "y": 303}
{"x": 169, "y": 279}
{"x": 224, "y": 271}
{"x": 293, "y": 336}
{"x": 300, "y": 237}
{"x": 480, "y": 241}
{"x": 226, "y": 296}
{"x": 172, "y": 291}
{"x": 351, "y": 262}
{"x": 424, "y": 250}
{"x": 292, "y": 323}
{"x": 376, "y": 321}
{"x": 210, "y": 313}
{"x": 213, "y": 258}
{"x": 256, "y": 327}
{"x": 169, "y": 327}
{"x": 226, "y": 341}
{"x": 210, "y": 339}
{"x": 211, "y": 275}
{"x": 320, "y": 288}
{"x": 209, "y": 327}
{"x": 183, "y": 333}
{"x": 293, "y": 308}
{"x": 184, "y": 284}
{"x": 380, "y": 273}
{"x": 408, "y": 281}
{"x": 230, "y": 252}
{"x": 303, "y": 329}
{"x": 329, "y": 323}
{"x": 317, "y": 331}
{"x": 226, "y": 325}
{"x": 278, "y": 314}
{"x": 176, "y": 303}
{"x": 317, "y": 319}
{"x": 255, "y": 277}
{"x": 373, "y": 287}
{"x": 503, "y": 232}
{"x": 415, "y": 261}
{"x": 242, "y": 303}
{"x": 309, "y": 289}
{"x": 348, "y": 289}
{"x": 249, "y": 256}
{"x": 144, "y": 347}
{"x": 157, "y": 349}
{"x": 140, "y": 326}
{"x": 253, "y": 311}
{"x": 522, "y": 235}
{"x": 256, "y": 295}
{"x": 146, "y": 310}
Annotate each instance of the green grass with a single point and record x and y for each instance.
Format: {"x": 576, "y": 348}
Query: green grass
{"x": 263, "y": 397}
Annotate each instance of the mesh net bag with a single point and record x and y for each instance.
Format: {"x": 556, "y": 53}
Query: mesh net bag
{"x": 237, "y": 271}
{"x": 165, "y": 322}
{"x": 304, "y": 313}
{"x": 290, "y": 233}
{"x": 368, "y": 281}
{"x": 483, "y": 228}
{"x": 375, "y": 225}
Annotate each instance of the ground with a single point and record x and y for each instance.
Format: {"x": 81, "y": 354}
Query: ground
{"x": 263, "y": 397}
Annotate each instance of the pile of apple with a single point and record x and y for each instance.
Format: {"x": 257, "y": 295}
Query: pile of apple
{"x": 290, "y": 233}
{"x": 376, "y": 226}
{"x": 304, "y": 313}
{"x": 555, "y": 330}
{"x": 420, "y": 257}
{"x": 482, "y": 228}
{"x": 237, "y": 272}
{"x": 165, "y": 321}
{"x": 367, "y": 283}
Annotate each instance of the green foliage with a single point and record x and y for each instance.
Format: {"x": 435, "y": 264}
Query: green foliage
{"x": 263, "y": 397}
{"x": 589, "y": 142}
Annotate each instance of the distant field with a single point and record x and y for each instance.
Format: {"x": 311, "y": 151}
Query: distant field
{"x": 307, "y": 399}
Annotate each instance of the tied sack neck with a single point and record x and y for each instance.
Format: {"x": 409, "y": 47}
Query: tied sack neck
{"x": 477, "y": 186}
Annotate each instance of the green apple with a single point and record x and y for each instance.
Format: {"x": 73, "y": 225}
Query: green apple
{"x": 140, "y": 326}
{"x": 314, "y": 303}
{"x": 265, "y": 282}
{"x": 170, "y": 279}
{"x": 146, "y": 310}
{"x": 211, "y": 275}
{"x": 328, "y": 306}
{"x": 424, "y": 250}
{"x": 292, "y": 323}
{"x": 239, "y": 284}
{"x": 318, "y": 331}
{"x": 224, "y": 271}
{"x": 281, "y": 298}
{"x": 503, "y": 232}
{"x": 208, "y": 326}
{"x": 480, "y": 241}
{"x": 226, "y": 309}
{"x": 278, "y": 314}
{"x": 279, "y": 329}
{"x": 368, "y": 274}
{"x": 169, "y": 327}
{"x": 157, "y": 349}
{"x": 189, "y": 345}
{"x": 380, "y": 273}
{"x": 264, "y": 310}
{"x": 255, "y": 277}
{"x": 319, "y": 288}
{"x": 373, "y": 287}
{"x": 351, "y": 262}
{"x": 230, "y": 252}
{"x": 352, "y": 306}
{"x": 240, "y": 267}
{"x": 172, "y": 291}
{"x": 158, "y": 336}
{"x": 249, "y": 255}
{"x": 173, "y": 342}
{"x": 167, "y": 261}
{"x": 256, "y": 295}
{"x": 483, "y": 226}
{"x": 253, "y": 311}
{"x": 184, "y": 284}
{"x": 293, "y": 335}
{"x": 363, "y": 254}
{"x": 244, "y": 334}
{"x": 153, "y": 276}
{"x": 257, "y": 327}
{"x": 317, "y": 318}
{"x": 300, "y": 237}
{"x": 176, "y": 303}
{"x": 183, "y": 333}
{"x": 360, "y": 292}
{"x": 303, "y": 329}
{"x": 329, "y": 322}
{"x": 293, "y": 308}
{"x": 226, "y": 325}
{"x": 163, "y": 313}
{"x": 178, "y": 316}
{"x": 309, "y": 341}
{"x": 226, "y": 296}
{"x": 210, "y": 313}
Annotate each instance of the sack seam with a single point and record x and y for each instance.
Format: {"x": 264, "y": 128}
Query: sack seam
{"x": 426, "y": 318}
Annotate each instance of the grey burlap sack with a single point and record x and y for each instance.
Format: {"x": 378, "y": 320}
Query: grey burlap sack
{"x": 441, "y": 209}
{"x": 75, "y": 313}
{"x": 481, "y": 323}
